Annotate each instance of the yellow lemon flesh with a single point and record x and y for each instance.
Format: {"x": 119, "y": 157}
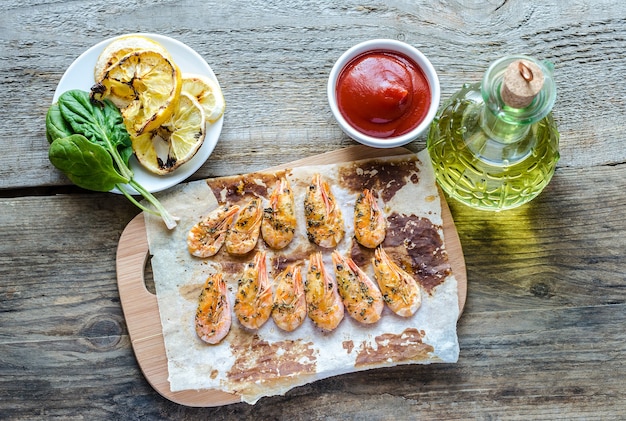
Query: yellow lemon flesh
{"x": 208, "y": 93}
{"x": 145, "y": 86}
{"x": 176, "y": 141}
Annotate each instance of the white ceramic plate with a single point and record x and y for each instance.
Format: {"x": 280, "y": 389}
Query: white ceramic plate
{"x": 80, "y": 76}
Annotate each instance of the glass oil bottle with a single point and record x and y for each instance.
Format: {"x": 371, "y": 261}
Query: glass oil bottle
{"x": 494, "y": 145}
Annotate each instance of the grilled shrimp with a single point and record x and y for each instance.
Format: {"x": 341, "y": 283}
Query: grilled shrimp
{"x": 244, "y": 233}
{"x": 400, "y": 291}
{"x": 279, "y": 219}
{"x": 359, "y": 293}
{"x": 323, "y": 216}
{"x": 213, "y": 319}
{"x": 253, "y": 301}
{"x": 289, "y": 303}
{"x": 207, "y": 236}
{"x": 324, "y": 305}
{"x": 369, "y": 222}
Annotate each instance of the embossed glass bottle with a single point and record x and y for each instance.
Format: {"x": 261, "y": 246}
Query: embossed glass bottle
{"x": 494, "y": 145}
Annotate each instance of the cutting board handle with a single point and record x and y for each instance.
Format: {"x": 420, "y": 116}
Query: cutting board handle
{"x": 131, "y": 262}
{"x": 141, "y": 311}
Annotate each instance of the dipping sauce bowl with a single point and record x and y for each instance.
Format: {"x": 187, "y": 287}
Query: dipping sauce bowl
{"x": 383, "y": 93}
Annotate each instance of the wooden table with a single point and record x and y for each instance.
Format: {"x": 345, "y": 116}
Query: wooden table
{"x": 543, "y": 334}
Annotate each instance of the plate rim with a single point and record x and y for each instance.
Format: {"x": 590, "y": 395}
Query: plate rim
{"x": 156, "y": 183}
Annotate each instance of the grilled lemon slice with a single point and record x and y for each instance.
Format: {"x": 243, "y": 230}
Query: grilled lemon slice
{"x": 176, "y": 141}
{"x": 121, "y": 46}
{"x": 208, "y": 94}
{"x": 145, "y": 86}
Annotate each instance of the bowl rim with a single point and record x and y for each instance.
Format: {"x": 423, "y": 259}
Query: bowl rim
{"x": 384, "y": 44}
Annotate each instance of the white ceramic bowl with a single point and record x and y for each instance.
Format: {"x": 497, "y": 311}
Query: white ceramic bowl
{"x": 392, "y": 46}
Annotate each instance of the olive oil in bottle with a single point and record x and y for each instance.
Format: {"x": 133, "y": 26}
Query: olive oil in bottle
{"x": 494, "y": 145}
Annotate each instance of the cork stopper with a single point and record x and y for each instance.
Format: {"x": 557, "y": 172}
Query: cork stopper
{"x": 522, "y": 82}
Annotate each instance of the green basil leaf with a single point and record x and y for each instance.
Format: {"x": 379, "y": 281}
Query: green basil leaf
{"x": 86, "y": 164}
{"x": 56, "y": 126}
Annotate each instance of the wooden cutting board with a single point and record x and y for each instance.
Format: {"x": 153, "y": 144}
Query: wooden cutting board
{"x": 142, "y": 312}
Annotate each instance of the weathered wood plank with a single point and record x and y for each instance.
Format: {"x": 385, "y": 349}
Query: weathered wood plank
{"x": 542, "y": 335}
{"x": 565, "y": 248}
{"x": 273, "y": 60}
{"x": 537, "y": 364}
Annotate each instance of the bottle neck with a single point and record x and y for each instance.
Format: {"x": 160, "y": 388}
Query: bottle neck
{"x": 507, "y": 124}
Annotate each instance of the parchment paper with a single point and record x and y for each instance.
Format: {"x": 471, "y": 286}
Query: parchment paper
{"x": 269, "y": 361}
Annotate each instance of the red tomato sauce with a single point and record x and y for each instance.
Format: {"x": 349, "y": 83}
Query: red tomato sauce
{"x": 383, "y": 94}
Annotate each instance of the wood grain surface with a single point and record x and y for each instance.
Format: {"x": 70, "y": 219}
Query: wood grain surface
{"x": 542, "y": 334}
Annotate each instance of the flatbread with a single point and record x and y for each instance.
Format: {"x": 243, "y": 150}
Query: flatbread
{"x": 270, "y": 361}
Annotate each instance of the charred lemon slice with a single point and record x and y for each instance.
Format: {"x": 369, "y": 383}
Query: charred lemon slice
{"x": 208, "y": 94}
{"x": 145, "y": 86}
{"x": 176, "y": 141}
{"x": 121, "y": 46}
